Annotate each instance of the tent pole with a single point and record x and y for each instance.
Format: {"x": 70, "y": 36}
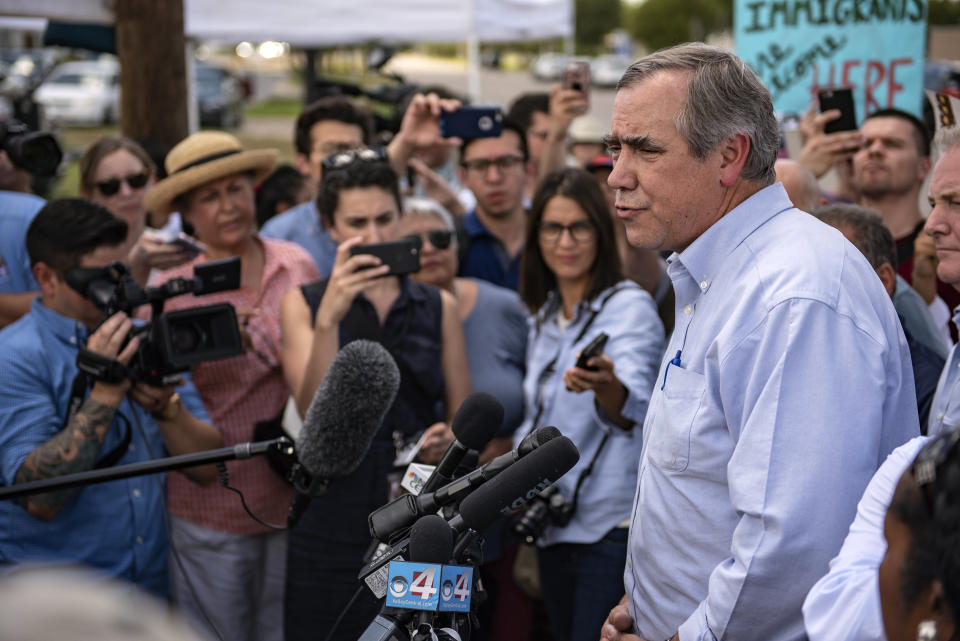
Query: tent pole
{"x": 473, "y": 54}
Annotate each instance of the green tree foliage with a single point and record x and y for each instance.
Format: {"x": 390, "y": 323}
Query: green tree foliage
{"x": 661, "y": 23}
{"x": 594, "y": 20}
{"x": 945, "y": 12}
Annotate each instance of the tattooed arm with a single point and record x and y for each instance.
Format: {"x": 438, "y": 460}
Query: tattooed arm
{"x": 77, "y": 446}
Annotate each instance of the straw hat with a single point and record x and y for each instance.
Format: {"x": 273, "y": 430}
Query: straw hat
{"x": 204, "y": 157}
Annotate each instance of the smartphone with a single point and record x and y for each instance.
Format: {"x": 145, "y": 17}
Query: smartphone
{"x": 842, "y": 99}
{"x": 470, "y": 122}
{"x": 189, "y": 244}
{"x": 403, "y": 256}
{"x": 594, "y": 348}
{"x": 576, "y": 76}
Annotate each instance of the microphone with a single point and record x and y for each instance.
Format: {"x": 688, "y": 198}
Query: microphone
{"x": 346, "y": 411}
{"x": 516, "y": 485}
{"x": 508, "y": 491}
{"x": 476, "y": 421}
{"x": 404, "y": 510}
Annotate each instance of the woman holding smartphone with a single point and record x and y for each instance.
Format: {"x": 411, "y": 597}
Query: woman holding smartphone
{"x": 360, "y": 204}
{"x": 572, "y": 284}
{"x": 116, "y": 172}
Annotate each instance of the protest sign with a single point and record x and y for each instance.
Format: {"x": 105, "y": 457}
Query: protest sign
{"x": 875, "y": 47}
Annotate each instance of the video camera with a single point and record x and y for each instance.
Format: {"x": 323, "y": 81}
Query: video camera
{"x": 36, "y": 152}
{"x": 171, "y": 342}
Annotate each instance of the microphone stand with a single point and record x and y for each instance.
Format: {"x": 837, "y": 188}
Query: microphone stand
{"x": 237, "y": 452}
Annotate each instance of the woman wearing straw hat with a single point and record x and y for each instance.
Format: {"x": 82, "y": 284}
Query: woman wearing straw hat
{"x": 234, "y": 566}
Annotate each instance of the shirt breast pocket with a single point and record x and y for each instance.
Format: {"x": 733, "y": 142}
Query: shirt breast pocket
{"x": 682, "y": 397}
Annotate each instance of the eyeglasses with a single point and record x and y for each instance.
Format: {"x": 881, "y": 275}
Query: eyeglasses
{"x": 134, "y": 181}
{"x": 344, "y": 159}
{"x": 439, "y": 238}
{"x": 482, "y": 165}
{"x": 928, "y": 463}
{"x": 581, "y": 231}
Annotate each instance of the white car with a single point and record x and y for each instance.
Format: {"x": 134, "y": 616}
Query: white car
{"x": 549, "y": 66}
{"x": 86, "y": 92}
{"x": 607, "y": 70}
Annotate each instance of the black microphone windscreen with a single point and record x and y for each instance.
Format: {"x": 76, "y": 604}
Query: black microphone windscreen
{"x": 536, "y": 438}
{"x": 519, "y": 483}
{"x": 347, "y": 409}
{"x": 478, "y": 418}
{"x": 431, "y": 540}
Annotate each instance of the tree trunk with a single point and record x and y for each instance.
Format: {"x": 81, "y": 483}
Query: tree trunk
{"x": 151, "y": 49}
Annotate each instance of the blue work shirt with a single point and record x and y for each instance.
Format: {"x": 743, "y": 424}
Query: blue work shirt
{"x": 116, "y": 526}
{"x": 945, "y": 409}
{"x": 16, "y": 213}
{"x": 486, "y": 257}
{"x": 301, "y": 225}
{"x": 786, "y": 383}
{"x": 629, "y": 318}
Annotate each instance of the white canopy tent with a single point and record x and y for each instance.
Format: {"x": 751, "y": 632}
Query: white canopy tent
{"x": 319, "y": 23}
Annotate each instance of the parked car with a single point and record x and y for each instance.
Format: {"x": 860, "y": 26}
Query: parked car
{"x": 549, "y": 66}
{"x": 606, "y": 71}
{"x": 84, "y": 92}
{"x": 220, "y": 96}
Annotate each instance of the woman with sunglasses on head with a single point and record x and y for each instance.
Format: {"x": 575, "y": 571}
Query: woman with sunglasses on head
{"x": 116, "y": 172}
{"x": 228, "y": 568}
{"x": 571, "y": 281}
{"x": 418, "y": 324}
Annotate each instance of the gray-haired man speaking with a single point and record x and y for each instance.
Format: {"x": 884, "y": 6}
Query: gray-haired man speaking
{"x": 787, "y": 379}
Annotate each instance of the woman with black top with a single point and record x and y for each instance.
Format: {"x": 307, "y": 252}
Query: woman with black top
{"x": 360, "y": 204}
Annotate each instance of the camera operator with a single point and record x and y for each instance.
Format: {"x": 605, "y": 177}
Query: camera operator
{"x": 23, "y": 154}
{"x": 116, "y": 526}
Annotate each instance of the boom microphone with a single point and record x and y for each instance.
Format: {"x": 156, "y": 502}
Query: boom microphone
{"x": 403, "y": 511}
{"x": 476, "y": 421}
{"x": 347, "y": 410}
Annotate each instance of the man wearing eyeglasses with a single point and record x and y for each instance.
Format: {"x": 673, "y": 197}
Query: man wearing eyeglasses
{"x": 496, "y": 171}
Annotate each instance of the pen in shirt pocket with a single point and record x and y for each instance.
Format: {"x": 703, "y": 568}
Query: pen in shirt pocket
{"x": 673, "y": 361}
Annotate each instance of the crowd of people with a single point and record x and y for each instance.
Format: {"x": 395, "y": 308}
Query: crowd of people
{"x": 768, "y": 437}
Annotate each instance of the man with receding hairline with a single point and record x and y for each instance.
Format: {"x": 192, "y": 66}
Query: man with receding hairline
{"x": 787, "y": 379}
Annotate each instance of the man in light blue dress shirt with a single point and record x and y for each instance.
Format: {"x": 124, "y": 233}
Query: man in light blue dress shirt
{"x": 787, "y": 380}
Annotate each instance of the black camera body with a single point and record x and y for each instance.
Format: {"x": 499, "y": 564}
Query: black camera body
{"x": 36, "y": 152}
{"x": 548, "y": 505}
{"x": 172, "y": 342}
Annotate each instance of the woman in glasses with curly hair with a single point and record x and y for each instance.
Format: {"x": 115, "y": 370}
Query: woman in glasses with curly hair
{"x": 360, "y": 204}
{"x": 117, "y": 173}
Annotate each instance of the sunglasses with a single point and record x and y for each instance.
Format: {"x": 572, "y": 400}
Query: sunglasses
{"x": 134, "y": 181}
{"x": 439, "y": 238}
{"x": 926, "y": 467}
{"x": 345, "y": 159}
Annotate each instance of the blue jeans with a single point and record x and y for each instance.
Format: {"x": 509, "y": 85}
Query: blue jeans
{"x": 581, "y": 583}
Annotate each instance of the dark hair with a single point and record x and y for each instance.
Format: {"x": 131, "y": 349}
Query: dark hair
{"x": 65, "y": 230}
{"x": 334, "y": 108}
{"x": 870, "y": 235}
{"x": 536, "y": 279}
{"x": 102, "y": 148}
{"x": 281, "y": 186}
{"x": 921, "y": 135}
{"x": 358, "y": 174}
{"x": 934, "y": 549}
{"x": 525, "y": 105}
{"x": 508, "y": 125}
